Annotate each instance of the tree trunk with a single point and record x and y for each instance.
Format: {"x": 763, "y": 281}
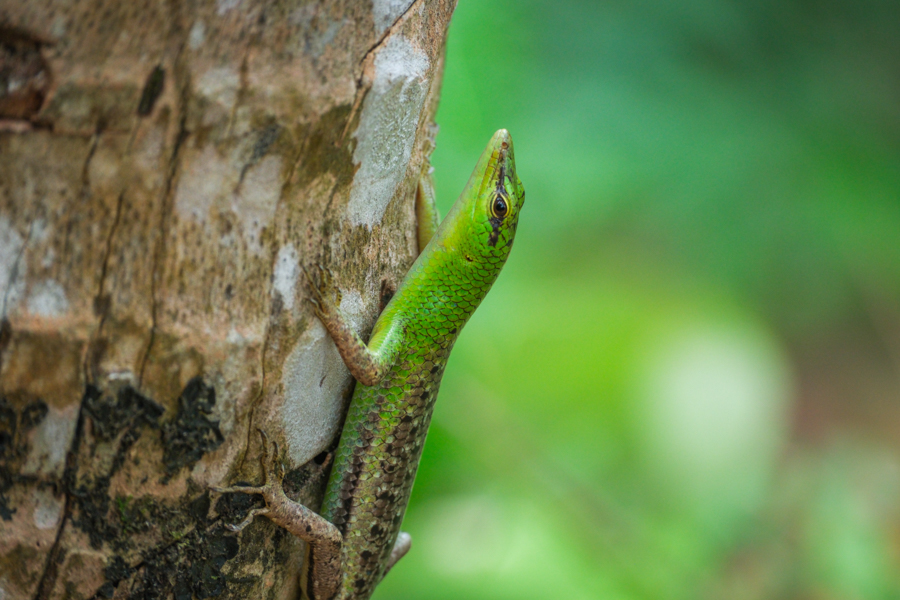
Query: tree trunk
{"x": 166, "y": 170}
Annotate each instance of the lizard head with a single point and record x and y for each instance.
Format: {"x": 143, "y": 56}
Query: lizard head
{"x": 491, "y": 202}
{"x": 471, "y": 245}
{"x": 477, "y": 234}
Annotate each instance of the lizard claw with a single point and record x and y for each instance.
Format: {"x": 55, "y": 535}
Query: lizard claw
{"x": 326, "y": 276}
{"x": 271, "y": 488}
{"x": 236, "y": 527}
{"x": 323, "y": 294}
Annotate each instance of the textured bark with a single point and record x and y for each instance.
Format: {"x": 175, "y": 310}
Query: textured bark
{"x": 165, "y": 170}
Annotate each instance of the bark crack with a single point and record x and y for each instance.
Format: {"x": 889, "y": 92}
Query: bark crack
{"x": 57, "y": 552}
{"x": 165, "y": 210}
{"x": 55, "y": 555}
{"x": 102, "y": 303}
{"x": 109, "y": 244}
{"x": 85, "y": 169}
{"x": 389, "y": 32}
{"x": 242, "y": 90}
{"x": 364, "y": 82}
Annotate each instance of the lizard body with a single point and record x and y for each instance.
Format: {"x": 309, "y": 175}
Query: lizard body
{"x": 357, "y": 537}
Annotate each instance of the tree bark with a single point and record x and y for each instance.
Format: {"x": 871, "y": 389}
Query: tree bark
{"x": 166, "y": 168}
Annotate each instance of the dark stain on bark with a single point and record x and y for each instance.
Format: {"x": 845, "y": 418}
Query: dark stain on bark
{"x": 265, "y": 138}
{"x": 322, "y": 153}
{"x": 111, "y": 415}
{"x": 186, "y": 567}
{"x": 187, "y": 560}
{"x": 117, "y": 420}
{"x": 15, "y": 423}
{"x": 24, "y": 75}
{"x": 5, "y": 336}
{"x": 387, "y": 292}
{"x": 154, "y": 86}
{"x": 192, "y": 434}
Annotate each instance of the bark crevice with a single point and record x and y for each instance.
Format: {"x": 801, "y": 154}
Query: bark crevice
{"x": 159, "y": 252}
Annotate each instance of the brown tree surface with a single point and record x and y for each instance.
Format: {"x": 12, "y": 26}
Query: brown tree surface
{"x": 166, "y": 168}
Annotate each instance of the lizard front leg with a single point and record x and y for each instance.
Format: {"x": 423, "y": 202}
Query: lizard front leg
{"x": 323, "y": 538}
{"x": 368, "y": 363}
{"x": 427, "y": 216}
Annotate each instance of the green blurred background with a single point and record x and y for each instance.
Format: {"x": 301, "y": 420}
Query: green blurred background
{"x": 686, "y": 383}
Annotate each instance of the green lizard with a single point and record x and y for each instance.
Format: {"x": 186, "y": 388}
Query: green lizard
{"x": 357, "y": 538}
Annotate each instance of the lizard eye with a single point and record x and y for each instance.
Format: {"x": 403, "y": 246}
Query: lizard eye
{"x": 499, "y": 208}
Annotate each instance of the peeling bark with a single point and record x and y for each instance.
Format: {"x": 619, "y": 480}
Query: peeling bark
{"x": 165, "y": 171}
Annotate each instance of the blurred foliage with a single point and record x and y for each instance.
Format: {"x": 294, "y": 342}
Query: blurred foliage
{"x": 685, "y": 384}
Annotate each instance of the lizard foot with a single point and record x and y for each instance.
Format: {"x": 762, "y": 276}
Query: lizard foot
{"x": 323, "y": 294}
{"x": 401, "y": 547}
{"x": 271, "y": 488}
{"x": 324, "y": 538}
